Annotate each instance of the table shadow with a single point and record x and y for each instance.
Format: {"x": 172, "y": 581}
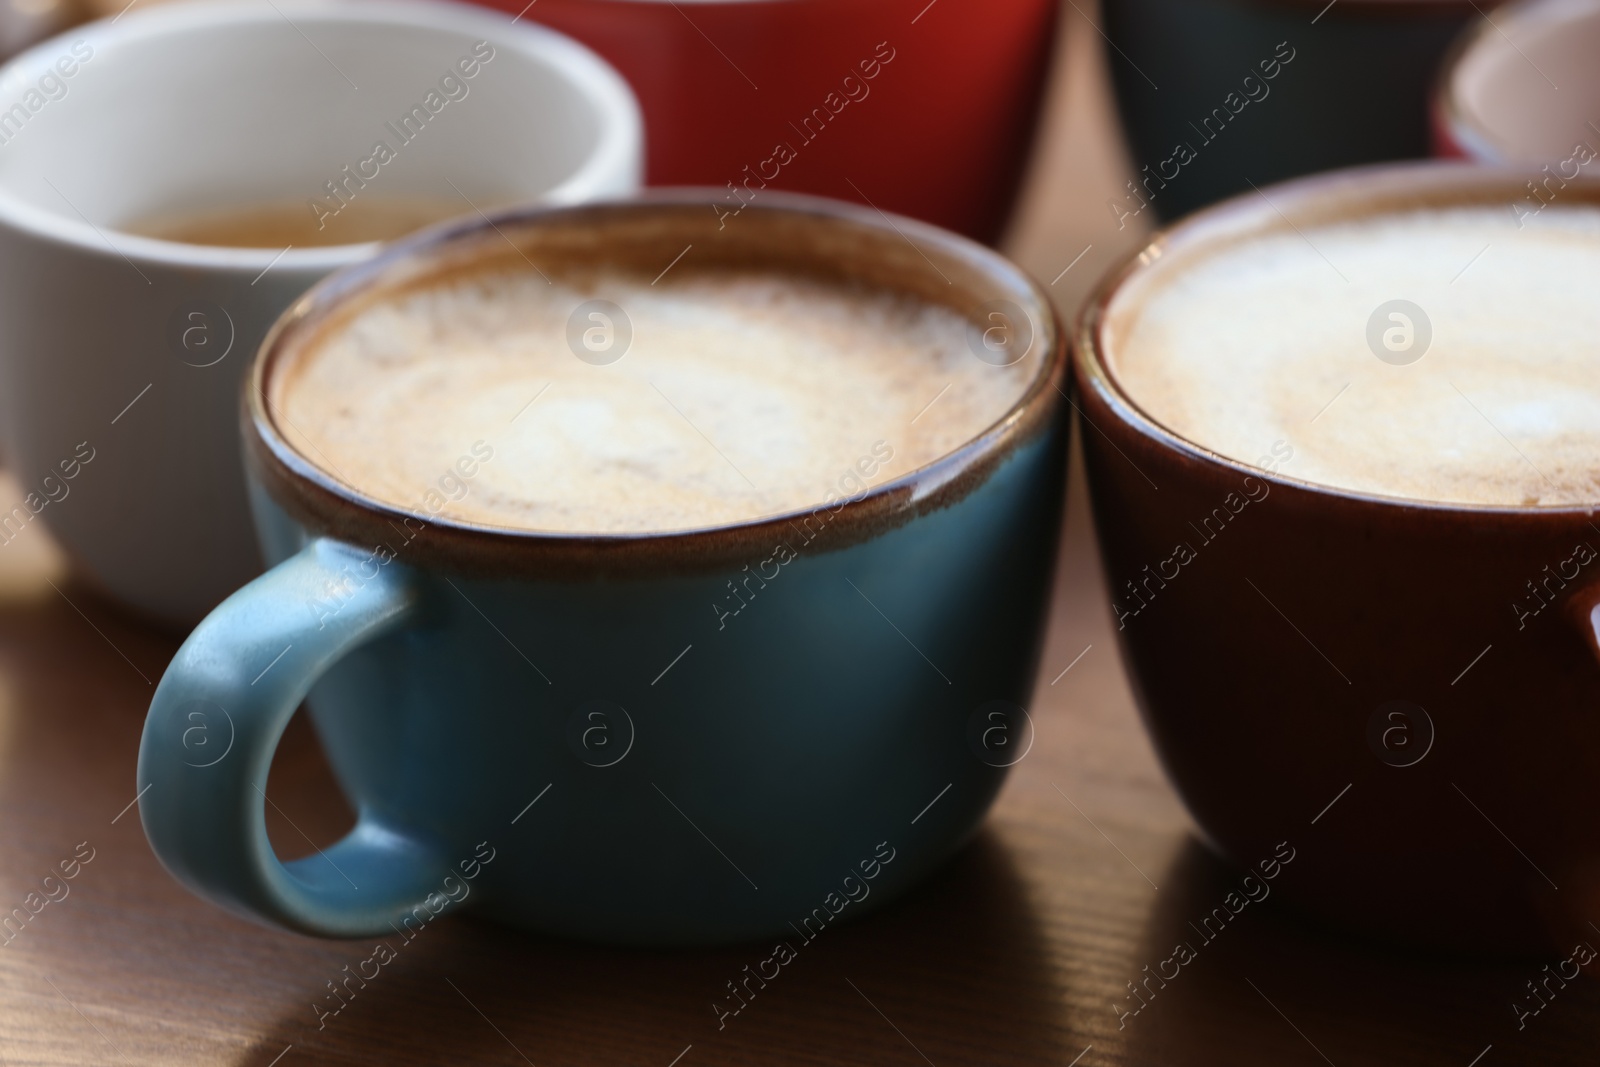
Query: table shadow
{"x": 1265, "y": 985}
{"x": 954, "y": 968}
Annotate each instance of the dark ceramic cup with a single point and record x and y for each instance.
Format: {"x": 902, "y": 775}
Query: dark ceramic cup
{"x": 1436, "y": 786}
{"x": 1218, "y": 94}
{"x": 564, "y": 732}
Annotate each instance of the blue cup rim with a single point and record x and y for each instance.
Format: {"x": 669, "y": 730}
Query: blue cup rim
{"x": 779, "y": 232}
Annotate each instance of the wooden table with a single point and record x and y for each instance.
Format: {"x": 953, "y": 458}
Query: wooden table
{"x": 1087, "y": 870}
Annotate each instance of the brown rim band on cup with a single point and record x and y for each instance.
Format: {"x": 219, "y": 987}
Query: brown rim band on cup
{"x": 1361, "y": 192}
{"x": 783, "y": 233}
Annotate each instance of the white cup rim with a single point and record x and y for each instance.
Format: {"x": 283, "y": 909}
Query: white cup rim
{"x": 619, "y": 133}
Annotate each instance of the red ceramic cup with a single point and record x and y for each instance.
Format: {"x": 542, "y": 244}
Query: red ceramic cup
{"x": 1524, "y": 89}
{"x": 917, "y": 107}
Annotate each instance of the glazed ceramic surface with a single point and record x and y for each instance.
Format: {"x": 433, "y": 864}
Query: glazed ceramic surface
{"x": 647, "y": 762}
{"x": 1373, "y": 681}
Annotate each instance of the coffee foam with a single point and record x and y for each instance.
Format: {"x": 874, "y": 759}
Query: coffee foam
{"x": 740, "y": 396}
{"x": 1239, "y": 346}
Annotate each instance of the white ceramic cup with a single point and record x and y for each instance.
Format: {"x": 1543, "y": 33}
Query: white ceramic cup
{"x": 122, "y": 356}
{"x": 1522, "y": 88}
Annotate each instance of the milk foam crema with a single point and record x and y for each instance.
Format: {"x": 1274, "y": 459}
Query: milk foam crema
{"x": 1238, "y": 347}
{"x": 739, "y": 396}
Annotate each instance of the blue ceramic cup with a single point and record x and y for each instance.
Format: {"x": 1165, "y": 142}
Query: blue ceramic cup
{"x": 560, "y": 731}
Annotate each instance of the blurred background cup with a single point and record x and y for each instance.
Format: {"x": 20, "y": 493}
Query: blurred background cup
{"x": 923, "y": 108}
{"x": 23, "y": 22}
{"x": 1524, "y": 89}
{"x": 1219, "y": 95}
{"x": 122, "y": 356}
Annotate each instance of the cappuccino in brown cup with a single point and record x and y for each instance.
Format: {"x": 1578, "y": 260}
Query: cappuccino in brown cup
{"x": 1346, "y": 495}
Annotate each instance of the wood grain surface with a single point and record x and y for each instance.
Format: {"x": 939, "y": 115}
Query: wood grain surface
{"x": 1019, "y": 952}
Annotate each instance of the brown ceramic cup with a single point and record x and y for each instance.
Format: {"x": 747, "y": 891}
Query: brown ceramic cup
{"x": 1424, "y": 750}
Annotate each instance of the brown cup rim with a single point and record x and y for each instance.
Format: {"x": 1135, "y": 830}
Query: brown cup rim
{"x": 1464, "y": 134}
{"x": 898, "y": 248}
{"x": 1351, "y": 193}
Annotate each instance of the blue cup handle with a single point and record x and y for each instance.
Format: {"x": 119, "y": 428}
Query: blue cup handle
{"x": 215, "y": 723}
